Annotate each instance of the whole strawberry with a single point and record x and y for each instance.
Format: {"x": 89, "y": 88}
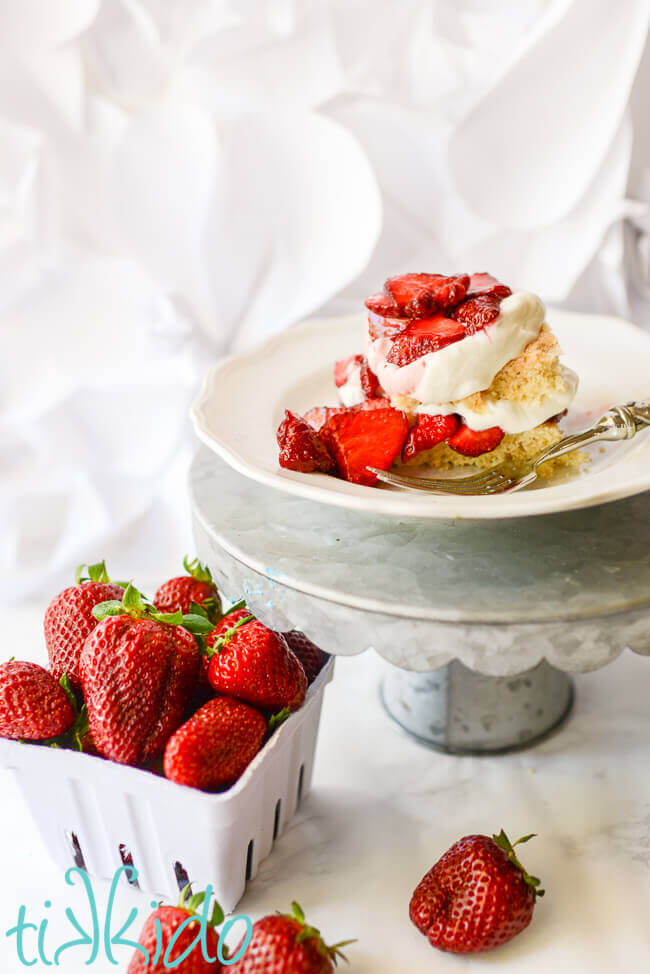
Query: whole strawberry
{"x": 163, "y": 944}
{"x": 233, "y": 615}
{"x": 286, "y": 944}
{"x": 215, "y": 746}
{"x": 312, "y": 658}
{"x": 196, "y": 587}
{"x": 476, "y": 897}
{"x": 207, "y": 639}
{"x": 253, "y": 663}
{"x": 69, "y": 619}
{"x": 138, "y": 670}
{"x": 33, "y": 705}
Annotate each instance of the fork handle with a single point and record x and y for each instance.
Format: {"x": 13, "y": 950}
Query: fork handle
{"x": 618, "y": 423}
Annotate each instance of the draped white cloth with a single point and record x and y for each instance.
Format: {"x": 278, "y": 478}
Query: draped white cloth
{"x": 181, "y": 177}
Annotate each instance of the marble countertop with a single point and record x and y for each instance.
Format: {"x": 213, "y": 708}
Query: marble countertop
{"x": 383, "y": 808}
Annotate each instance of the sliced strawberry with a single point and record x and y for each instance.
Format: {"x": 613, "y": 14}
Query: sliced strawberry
{"x": 486, "y": 284}
{"x": 476, "y": 313}
{"x": 472, "y": 443}
{"x": 301, "y": 447}
{"x": 319, "y": 415}
{"x": 345, "y": 368}
{"x": 379, "y": 327}
{"x": 369, "y": 435}
{"x": 369, "y": 381}
{"x": 422, "y": 336}
{"x": 427, "y": 433}
{"x": 420, "y": 295}
{"x": 381, "y": 304}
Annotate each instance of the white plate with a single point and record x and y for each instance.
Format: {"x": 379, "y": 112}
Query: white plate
{"x": 244, "y": 398}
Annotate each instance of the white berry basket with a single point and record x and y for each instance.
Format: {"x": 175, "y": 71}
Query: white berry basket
{"x": 100, "y": 815}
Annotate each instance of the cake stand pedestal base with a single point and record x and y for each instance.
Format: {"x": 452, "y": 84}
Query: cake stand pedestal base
{"x": 456, "y": 710}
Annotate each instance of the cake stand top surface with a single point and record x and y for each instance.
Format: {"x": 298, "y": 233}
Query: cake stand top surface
{"x": 578, "y": 565}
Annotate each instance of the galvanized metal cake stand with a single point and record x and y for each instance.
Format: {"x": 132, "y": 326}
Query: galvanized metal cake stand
{"x": 482, "y": 621}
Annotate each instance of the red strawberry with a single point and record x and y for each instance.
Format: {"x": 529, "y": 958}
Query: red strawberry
{"x": 197, "y": 586}
{"x": 365, "y": 436}
{"x": 427, "y": 433}
{"x": 232, "y": 616}
{"x": 164, "y": 941}
{"x": 285, "y": 944}
{"x": 486, "y": 284}
{"x": 381, "y": 304}
{"x": 476, "y": 313}
{"x": 420, "y": 295}
{"x": 345, "y": 367}
{"x": 476, "y": 897}
{"x": 215, "y": 746}
{"x": 423, "y": 336}
{"x": 319, "y": 415}
{"x": 69, "y": 619}
{"x": 138, "y": 673}
{"x": 472, "y": 443}
{"x": 300, "y": 446}
{"x": 379, "y": 327}
{"x": 254, "y": 664}
{"x": 33, "y": 705}
{"x": 369, "y": 381}
{"x": 312, "y": 658}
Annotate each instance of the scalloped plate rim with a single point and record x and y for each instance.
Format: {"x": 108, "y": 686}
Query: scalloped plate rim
{"x": 322, "y": 488}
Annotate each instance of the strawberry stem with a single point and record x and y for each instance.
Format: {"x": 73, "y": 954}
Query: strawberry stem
{"x": 222, "y": 641}
{"x": 65, "y": 684}
{"x": 134, "y": 605}
{"x": 198, "y": 571}
{"x": 504, "y": 843}
{"x": 276, "y": 719}
{"x": 307, "y": 932}
{"x": 95, "y": 573}
{"x": 195, "y": 901}
{"x": 80, "y": 729}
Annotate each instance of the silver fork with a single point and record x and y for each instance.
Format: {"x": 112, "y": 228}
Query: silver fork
{"x": 618, "y": 423}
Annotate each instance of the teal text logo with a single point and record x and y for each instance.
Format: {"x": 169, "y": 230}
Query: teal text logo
{"x": 94, "y": 934}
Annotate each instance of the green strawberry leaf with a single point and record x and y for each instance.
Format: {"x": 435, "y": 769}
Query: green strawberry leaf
{"x": 308, "y": 933}
{"x": 80, "y": 729}
{"x": 65, "y": 684}
{"x": 110, "y": 608}
{"x": 217, "y": 916}
{"x": 276, "y": 719}
{"x": 135, "y": 605}
{"x": 195, "y": 901}
{"x": 196, "y": 624}
{"x": 504, "y": 843}
{"x": 168, "y": 618}
{"x": 198, "y": 571}
{"x": 95, "y": 573}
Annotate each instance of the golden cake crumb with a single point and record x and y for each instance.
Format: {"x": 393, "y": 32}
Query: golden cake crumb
{"x": 513, "y": 451}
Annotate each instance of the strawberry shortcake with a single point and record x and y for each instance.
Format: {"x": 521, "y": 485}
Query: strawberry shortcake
{"x": 458, "y": 371}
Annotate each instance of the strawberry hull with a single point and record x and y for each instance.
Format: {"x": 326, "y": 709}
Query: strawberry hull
{"x": 98, "y": 812}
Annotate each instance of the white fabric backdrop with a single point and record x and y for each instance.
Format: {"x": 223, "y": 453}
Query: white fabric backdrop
{"x": 180, "y": 177}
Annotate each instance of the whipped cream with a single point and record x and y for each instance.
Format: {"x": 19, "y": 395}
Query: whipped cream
{"x": 467, "y": 366}
{"x": 510, "y": 415}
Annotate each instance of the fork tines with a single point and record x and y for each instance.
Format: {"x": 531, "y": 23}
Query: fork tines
{"x": 488, "y": 482}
